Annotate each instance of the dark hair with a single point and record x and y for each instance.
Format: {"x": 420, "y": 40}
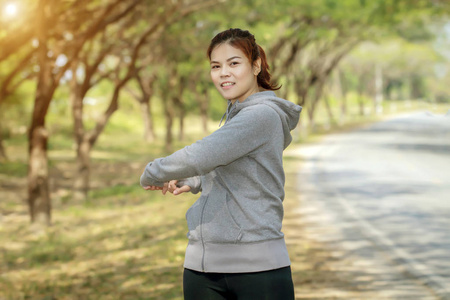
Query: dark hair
{"x": 245, "y": 41}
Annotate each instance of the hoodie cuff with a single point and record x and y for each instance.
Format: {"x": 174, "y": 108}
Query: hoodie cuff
{"x": 194, "y": 182}
{"x": 146, "y": 179}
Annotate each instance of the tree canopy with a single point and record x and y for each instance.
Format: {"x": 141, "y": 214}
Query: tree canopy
{"x": 155, "y": 49}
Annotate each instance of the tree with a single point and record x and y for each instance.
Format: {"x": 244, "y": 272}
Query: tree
{"x": 57, "y": 49}
{"x": 58, "y": 42}
{"x": 306, "y": 41}
{"x": 145, "y": 82}
{"x": 127, "y": 54}
{"x": 15, "y": 77}
{"x": 315, "y": 37}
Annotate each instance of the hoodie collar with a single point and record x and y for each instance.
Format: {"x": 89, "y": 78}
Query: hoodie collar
{"x": 288, "y": 112}
{"x": 237, "y": 106}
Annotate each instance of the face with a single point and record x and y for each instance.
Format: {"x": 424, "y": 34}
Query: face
{"x": 232, "y": 73}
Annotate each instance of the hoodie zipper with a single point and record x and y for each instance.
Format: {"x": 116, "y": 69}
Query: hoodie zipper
{"x": 201, "y": 235}
{"x": 227, "y": 112}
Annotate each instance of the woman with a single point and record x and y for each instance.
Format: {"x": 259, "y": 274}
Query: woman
{"x": 236, "y": 248}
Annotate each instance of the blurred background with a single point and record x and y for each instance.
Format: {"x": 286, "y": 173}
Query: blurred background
{"x": 90, "y": 91}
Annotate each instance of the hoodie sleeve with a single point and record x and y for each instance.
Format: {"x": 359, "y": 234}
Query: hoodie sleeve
{"x": 251, "y": 128}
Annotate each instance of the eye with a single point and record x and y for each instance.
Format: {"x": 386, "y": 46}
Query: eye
{"x": 234, "y": 63}
{"x": 214, "y": 67}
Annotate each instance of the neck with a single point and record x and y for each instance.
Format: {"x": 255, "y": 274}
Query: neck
{"x": 254, "y": 91}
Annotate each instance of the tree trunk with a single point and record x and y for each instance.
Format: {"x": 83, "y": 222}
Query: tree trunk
{"x": 317, "y": 96}
{"x": 331, "y": 119}
{"x": 342, "y": 91}
{"x": 38, "y": 184}
{"x": 88, "y": 141}
{"x": 284, "y": 92}
{"x": 149, "y": 131}
{"x": 204, "y": 114}
{"x": 343, "y": 110}
{"x": 178, "y": 101}
{"x": 169, "y": 107}
{"x": 378, "y": 90}
{"x": 181, "y": 132}
{"x": 3, "y": 156}
{"x": 361, "y": 102}
{"x": 81, "y": 182}
{"x": 302, "y": 93}
{"x": 202, "y": 98}
{"x": 169, "y": 124}
{"x": 360, "y": 91}
{"x": 146, "y": 86}
{"x": 416, "y": 87}
{"x": 182, "y": 111}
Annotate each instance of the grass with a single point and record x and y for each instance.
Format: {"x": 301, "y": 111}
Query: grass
{"x": 14, "y": 168}
{"x": 107, "y": 249}
{"x": 124, "y": 243}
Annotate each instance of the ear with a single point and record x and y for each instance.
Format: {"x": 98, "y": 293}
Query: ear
{"x": 257, "y": 66}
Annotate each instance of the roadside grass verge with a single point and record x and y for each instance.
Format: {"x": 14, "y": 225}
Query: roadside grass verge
{"x": 121, "y": 243}
{"x": 105, "y": 249}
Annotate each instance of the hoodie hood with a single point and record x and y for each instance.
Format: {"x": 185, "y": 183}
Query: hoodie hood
{"x": 288, "y": 112}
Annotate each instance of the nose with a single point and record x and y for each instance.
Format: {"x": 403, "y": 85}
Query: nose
{"x": 224, "y": 72}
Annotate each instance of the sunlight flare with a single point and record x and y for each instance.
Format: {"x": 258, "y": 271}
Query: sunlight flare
{"x": 11, "y": 9}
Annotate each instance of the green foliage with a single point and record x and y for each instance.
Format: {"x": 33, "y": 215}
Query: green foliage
{"x": 404, "y": 65}
{"x": 184, "y": 42}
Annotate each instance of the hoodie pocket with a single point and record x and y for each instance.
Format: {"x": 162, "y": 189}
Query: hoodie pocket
{"x": 218, "y": 223}
{"x": 193, "y": 219}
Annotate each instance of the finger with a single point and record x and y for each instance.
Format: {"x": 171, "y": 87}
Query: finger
{"x": 147, "y": 188}
{"x": 172, "y": 185}
{"x": 183, "y": 189}
{"x": 165, "y": 188}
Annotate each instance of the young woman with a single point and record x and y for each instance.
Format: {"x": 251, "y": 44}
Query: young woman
{"x": 236, "y": 249}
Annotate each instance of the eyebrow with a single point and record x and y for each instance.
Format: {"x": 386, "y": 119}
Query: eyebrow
{"x": 231, "y": 58}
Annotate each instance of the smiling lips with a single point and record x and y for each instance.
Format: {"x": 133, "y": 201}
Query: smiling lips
{"x": 226, "y": 84}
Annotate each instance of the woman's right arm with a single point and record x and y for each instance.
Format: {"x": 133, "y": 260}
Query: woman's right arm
{"x": 245, "y": 133}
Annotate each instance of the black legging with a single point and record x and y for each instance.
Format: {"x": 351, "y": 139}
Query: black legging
{"x": 268, "y": 285}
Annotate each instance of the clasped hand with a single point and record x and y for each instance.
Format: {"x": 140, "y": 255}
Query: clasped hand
{"x": 170, "y": 186}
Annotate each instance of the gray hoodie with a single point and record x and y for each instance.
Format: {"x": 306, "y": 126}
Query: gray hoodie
{"x": 235, "y": 226}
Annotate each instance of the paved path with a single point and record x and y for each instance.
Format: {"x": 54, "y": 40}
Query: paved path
{"x": 379, "y": 198}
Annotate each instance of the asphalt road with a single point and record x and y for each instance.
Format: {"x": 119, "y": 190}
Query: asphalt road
{"x": 385, "y": 193}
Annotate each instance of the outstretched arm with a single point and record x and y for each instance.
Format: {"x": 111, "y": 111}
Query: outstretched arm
{"x": 245, "y": 133}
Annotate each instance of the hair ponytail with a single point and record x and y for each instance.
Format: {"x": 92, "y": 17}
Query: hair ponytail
{"x": 245, "y": 41}
{"x": 264, "y": 76}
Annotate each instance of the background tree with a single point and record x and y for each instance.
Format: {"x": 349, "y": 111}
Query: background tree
{"x": 59, "y": 41}
{"x": 126, "y": 54}
{"x": 109, "y": 45}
